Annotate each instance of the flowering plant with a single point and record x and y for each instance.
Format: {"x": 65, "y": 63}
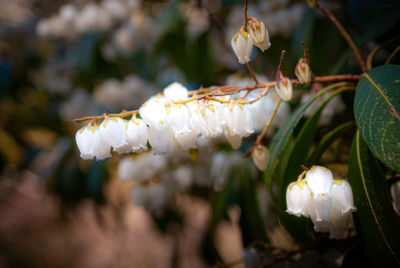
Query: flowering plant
{"x": 270, "y": 113}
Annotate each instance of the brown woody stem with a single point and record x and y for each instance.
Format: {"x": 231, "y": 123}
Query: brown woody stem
{"x": 345, "y": 35}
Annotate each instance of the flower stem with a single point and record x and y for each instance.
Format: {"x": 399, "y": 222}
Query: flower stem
{"x": 253, "y": 75}
{"x": 207, "y": 93}
{"x": 265, "y": 130}
{"x": 245, "y": 15}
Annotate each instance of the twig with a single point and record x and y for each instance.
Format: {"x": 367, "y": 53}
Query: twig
{"x": 252, "y": 73}
{"x": 245, "y": 15}
{"x": 306, "y": 56}
{"x": 265, "y": 130}
{"x": 345, "y": 35}
{"x": 279, "y": 72}
{"x": 392, "y": 55}
{"x": 227, "y": 90}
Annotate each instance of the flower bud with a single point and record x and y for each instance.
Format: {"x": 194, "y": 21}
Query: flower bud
{"x": 303, "y": 71}
{"x": 242, "y": 45}
{"x": 259, "y": 34}
{"x": 284, "y": 88}
{"x": 260, "y": 157}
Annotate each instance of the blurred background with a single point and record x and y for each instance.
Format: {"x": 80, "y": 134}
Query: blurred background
{"x": 61, "y": 60}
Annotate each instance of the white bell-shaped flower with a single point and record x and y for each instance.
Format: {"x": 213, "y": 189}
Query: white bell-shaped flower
{"x": 342, "y": 196}
{"x": 154, "y": 113}
{"x": 176, "y": 92}
{"x": 260, "y": 157}
{"x": 178, "y": 117}
{"x": 101, "y": 148}
{"x": 298, "y": 196}
{"x": 161, "y": 141}
{"x": 113, "y": 132}
{"x": 303, "y": 71}
{"x": 234, "y": 140}
{"x": 137, "y": 135}
{"x": 320, "y": 180}
{"x": 319, "y": 210}
{"x": 84, "y": 140}
{"x": 395, "y": 193}
{"x": 339, "y": 223}
{"x": 197, "y": 120}
{"x": 91, "y": 144}
{"x": 238, "y": 120}
{"x": 242, "y": 45}
{"x": 259, "y": 35}
{"x": 284, "y": 88}
{"x": 214, "y": 119}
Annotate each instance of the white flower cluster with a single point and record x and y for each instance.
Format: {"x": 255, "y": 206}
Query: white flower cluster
{"x": 335, "y": 106}
{"x": 167, "y": 125}
{"x": 255, "y": 34}
{"x": 280, "y": 19}
{"x": 125, "y": 94}
{"x": 328, "y": 202}
{"x": 72, "y": 21}
{"x": 261, "y": 110}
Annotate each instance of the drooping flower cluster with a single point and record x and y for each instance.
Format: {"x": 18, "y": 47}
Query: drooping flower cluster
{"x": 166, "y": 125}
{"x": 243, "y": 41}
{"x": 328, "y": 202}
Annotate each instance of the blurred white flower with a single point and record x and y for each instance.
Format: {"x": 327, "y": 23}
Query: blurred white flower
{"x": 334, "y": 107}
{"x": 141, "y": 167}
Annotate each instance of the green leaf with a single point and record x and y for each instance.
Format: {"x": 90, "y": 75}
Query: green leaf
{"x": 327, "y": 140}
{"x": 375, "y": 220}
{"x": 284, "y": 133}
{"x": 377, "y": 93}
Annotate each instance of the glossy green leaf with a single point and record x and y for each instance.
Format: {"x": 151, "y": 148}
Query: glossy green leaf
{"x": 377, "y": 93}
{"x": 376, "y": 224}
{"x": 327, "y": 140}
